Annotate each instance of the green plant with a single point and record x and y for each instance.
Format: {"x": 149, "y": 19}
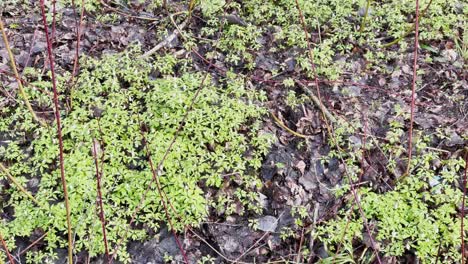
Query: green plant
{"x": 286, "y": 232}
{"x": 419, "y": 215}
{"x": 206, "y": 260}
{"x": 253, "y": 223}
{"x": 168, "y": 258}
{"x": 117, "y": 100}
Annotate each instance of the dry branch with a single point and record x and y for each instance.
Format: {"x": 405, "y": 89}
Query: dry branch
{"x": 317, "y": 102}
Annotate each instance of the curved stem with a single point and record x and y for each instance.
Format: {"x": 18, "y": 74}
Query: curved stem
{"x": 287, "y": 128}
{"x": 17, "y": 184}
{"x": 17, "y": 76}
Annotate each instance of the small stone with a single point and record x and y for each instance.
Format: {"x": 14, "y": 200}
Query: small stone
{"x": 434, "y": 181}
{"x": 33, "y": 183}
{"x": 308, "y": 182}
{"x": 231, "y": 245}
{"x": 352, "y": 91}
{"x": 268, "y": 223}
{"x": 355, "y": 142}
{"x": 263, "y": 200}
{"x": 450, "y": 55}
{"x": 454, "y": 140}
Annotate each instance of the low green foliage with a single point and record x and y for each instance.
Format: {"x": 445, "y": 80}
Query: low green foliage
{"x": 335, "y": 26}
{"x": 116, "y": 98}
{"x": 419, "y": 215}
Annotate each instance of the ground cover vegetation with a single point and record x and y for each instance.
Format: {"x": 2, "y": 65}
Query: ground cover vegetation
{"x": 201, "y": 116}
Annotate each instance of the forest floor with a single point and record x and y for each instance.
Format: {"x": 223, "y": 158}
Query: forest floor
{"x": 362, "y": 84}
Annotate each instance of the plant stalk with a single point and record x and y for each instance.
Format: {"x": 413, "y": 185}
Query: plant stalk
{"x": 59, "y": 135}
{"x": 17, "y": 76}
{"x": 17, "y": 184}
{"x": 364, "y": 19}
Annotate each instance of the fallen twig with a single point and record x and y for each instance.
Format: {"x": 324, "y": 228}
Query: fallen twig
{"x": 285, "y": 127}
{"x": 10, "y": 258}
{"x": 166, "y": 41}
{"x": 330, "y": 130}
{"x": 317, "y": 102}
{"x": 17, "y": 184}
{"x": 17, "y": 76}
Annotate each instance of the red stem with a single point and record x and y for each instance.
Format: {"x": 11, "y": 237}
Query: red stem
{"x": 101, "y": 206}
{"x": 78, "y": 39}
{"x": 54, "y": 20}
{"x": 413, "y": 89}
{"x": 10, "y": 258}
{"x": 33, "y": 243}
{"x": 462, "y": 229}
{"x": 353, "y": 190}
{"x": 159, "y": 167}
{"x": 348, "y": 220}
{"x": 160, "y": 192}
{"x": 154, "y": 178}
{"x": 30, "y": 51}
{"x": 59, "y": 134}
{"x": 262, "y": 80}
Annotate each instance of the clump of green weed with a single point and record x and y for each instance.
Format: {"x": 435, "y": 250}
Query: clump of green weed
{"x": 116, "y": 101}
{"x": 418, "y": 216}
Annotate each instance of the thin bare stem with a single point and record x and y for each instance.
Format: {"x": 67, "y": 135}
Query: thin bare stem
{"x": 59, "y": 135}
{"x": 169, "y": 148}
{"x": 462, "y": 228}
{"x": 317, "y": 102}
{"x": 33, "y": 243}
{"x": 364, "y": 18}
{"x": 10, "y": 258}
{"x": 159, "y": 167}
{"x": 299, "y": 250}
{"x": 413, "y": 89}
{"x": 191, "y": 6}
{"x": 54, "y": 21}
{"x": 287, "y": 128}
{"x": 17, "y": 184}
{"x": 409, "y": 30}
{"x": 330, "y": 131}
{"x": 17, "y": 76}
{"x": 77, "y": 50}
{"x": 160, "y": 192}
{"x": 348, "y": 217}
{"x": 30, "y": 51}
{"x": 101, "y": 206}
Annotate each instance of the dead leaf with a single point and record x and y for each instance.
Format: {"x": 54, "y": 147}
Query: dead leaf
{"x": 300, "y": 166}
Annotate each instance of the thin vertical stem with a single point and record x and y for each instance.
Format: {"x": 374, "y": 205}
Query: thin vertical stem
{"x": 59, "y": 135}
{"x": 330, "y": 131}
{"x": 364, "y": 18}
{"x": 462, "y": 228}
{"x": 101, "y": 206}
{"x": 77, "y": 50}
{"x": 413, "y": 90}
